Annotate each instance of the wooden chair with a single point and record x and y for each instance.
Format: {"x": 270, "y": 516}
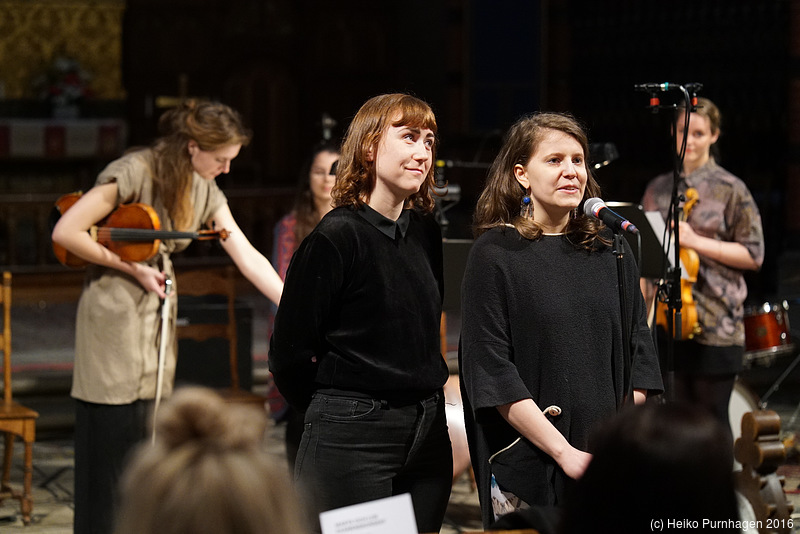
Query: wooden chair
{"x": 220, "y": 282}
{"x": 15, "y": 419}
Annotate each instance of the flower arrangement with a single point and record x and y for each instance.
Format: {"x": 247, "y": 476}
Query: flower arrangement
{"x": 64, "y": 84}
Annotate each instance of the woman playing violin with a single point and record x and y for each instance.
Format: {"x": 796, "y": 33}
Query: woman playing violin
{"x": 119, "y": 312}
{"x": 724, "y": 228}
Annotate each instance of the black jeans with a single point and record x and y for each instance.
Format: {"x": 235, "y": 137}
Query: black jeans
{"x": 356, "y": 449}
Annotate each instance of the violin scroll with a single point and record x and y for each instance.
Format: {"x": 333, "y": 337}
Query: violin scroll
{"x": 204, "y": 235}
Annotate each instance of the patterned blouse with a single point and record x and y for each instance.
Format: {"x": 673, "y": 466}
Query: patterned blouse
{"x": 725, "y": 211}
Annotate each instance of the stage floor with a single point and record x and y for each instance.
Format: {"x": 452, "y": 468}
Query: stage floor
{"x": 42, "y": 359}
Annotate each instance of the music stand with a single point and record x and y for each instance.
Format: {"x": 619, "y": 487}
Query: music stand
{"x": 652, "y": 256}
{"x": 454, "y": 252}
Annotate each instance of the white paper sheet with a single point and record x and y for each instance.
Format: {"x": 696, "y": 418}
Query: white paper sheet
{"x": 392, "y": 515}
{"x": 657, "y": 222}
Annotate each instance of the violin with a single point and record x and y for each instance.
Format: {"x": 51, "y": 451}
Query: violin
{"x": 132, "y": 231}
{"x": 690, "y": 325}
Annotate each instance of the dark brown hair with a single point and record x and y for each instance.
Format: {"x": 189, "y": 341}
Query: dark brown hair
{"x": 305, "y": 209}
{"x": 661, "y": 460}
{"x": 499, "y": 203}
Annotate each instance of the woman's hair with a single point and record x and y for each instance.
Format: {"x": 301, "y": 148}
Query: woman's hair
{"x": 705, "y": 108}
{"x": 206, "y": 473}
{"x": 355, "y": 174}
{"x": 499, "y": 203}
{"x": 211, "y": 125}
{"x": 657, "y": 461}
{"x": 305, "y": 208}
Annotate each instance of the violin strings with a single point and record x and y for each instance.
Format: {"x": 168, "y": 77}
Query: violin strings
{"x": 144, "y": 234}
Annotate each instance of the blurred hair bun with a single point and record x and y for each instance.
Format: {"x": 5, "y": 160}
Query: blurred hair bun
{"x": 199, "y": 416}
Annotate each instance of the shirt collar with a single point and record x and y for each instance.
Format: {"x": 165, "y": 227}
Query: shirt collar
{"x": 387, "y": 226}
{"x": 699, "y": 174}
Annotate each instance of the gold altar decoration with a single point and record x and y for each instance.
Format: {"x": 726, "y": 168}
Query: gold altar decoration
{"x": 34, "y": 33}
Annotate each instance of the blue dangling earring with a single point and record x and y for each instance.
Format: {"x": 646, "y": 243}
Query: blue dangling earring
{"x": 526, "y": 208}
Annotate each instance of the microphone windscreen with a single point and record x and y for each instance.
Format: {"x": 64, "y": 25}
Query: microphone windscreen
{"x": 592, "y": 206}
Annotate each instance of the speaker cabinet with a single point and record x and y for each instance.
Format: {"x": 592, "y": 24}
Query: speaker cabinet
{"x": 207, "y": 363}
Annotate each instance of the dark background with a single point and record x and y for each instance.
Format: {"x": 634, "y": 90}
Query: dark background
{"x": 481, "y": 64}
{"x": 284, "y": 64}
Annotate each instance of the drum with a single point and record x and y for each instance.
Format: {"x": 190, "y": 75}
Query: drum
{"x": 767, "y": 334}
{"x": 743, "y": 400}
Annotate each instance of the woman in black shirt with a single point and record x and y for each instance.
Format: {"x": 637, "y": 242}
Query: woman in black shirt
{"x": 356, "y": 337}
{"x": 542, "y": 321}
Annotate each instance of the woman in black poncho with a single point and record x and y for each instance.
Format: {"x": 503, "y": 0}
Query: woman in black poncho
{"x": 542, "y": 326}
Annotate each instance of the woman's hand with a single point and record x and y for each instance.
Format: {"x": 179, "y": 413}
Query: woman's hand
{"x": 72, "y": 233}
{"x": 151, "y": 279}
{"x": 527, "y": 418}
{"x": 688, "y": 235}
{"x": 574, "y": 462}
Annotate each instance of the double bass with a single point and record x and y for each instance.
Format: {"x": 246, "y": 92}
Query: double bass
{"x": 690, "y": 325}
{"x": 132, "y": 231}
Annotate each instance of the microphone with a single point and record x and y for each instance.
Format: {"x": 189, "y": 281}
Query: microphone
{"x": 667, "y": 86}
{"x": 653, "y": 87}
{"x": 595, "y": 207}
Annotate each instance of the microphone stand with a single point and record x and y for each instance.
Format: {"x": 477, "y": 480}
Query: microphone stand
{"x": 627, "y": 363}
{"x": 673, "y": 279}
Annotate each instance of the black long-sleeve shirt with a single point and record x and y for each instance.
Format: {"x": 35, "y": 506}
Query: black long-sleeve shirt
{"x": 361, "y": 308}
{"x": 542, "y": 320}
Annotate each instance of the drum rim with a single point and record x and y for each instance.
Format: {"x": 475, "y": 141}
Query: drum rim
{"x": 769, "y": 351}
{"x": 766, "y": 307}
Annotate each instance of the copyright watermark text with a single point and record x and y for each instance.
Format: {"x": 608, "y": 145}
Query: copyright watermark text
{"x": 663, "y": 525}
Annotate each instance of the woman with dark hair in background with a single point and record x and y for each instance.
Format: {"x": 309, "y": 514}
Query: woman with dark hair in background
{"x": 118, "y": 335}
{"x": 540, "y": 364}
{"x": 312, "y": 202}
{"x": 356, "y": 338}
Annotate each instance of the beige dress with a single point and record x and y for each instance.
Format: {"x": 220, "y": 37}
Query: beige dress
{"x": 118, "y": 322}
